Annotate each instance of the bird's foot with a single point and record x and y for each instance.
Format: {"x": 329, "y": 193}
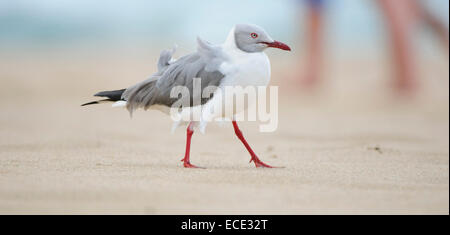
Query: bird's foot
{"x": 259, "y": 163}
{"x": 189, "y": 165}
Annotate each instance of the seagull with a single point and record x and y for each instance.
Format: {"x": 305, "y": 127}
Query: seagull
{"x": 239, "y": 61}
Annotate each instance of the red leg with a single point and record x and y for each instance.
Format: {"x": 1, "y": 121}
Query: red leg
{"x": 255, "y": 159}
{"x": 185, "y": 160}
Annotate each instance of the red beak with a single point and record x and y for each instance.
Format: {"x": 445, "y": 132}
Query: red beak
{"x": 279, "y": 45}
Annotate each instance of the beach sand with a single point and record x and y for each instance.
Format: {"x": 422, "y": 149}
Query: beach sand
{"x": 353, "y": 148}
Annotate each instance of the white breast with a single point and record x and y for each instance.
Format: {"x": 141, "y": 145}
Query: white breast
{"x": 246, "y": 69}
{"x": 241, "y": 69}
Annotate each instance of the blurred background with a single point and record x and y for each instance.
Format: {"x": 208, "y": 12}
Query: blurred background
{"x": 363, "y": 75}
{"x": 338, "y": 46}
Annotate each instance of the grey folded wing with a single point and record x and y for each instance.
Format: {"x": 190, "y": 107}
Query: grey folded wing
{"x": 203, "y": 64}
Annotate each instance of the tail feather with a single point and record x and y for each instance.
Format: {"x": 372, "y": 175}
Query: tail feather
{"x": 112, "y": 96}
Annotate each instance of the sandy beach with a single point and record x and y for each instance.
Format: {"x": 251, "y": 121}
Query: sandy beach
{"x": 353, "y": 148}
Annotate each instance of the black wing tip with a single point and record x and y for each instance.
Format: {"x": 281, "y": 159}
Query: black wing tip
{"x": 100, "y": 94}
{"x": 89, "y": 103}
{"x": 111, "y": 95}
{"x": 108, "y": 93}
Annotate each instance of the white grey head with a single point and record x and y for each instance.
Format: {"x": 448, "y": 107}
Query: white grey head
{"x": 252, "y": 38}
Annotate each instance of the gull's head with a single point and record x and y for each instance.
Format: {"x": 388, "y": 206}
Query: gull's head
{"x": 252, "y": 38}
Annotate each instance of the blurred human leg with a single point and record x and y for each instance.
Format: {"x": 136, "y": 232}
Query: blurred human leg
{"x": 400, "y": 16}
{"x": 314, "y": 43}
{"x": 438, "y": 27}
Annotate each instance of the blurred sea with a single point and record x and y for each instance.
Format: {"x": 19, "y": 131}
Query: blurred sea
{"x": 43, "y": 23}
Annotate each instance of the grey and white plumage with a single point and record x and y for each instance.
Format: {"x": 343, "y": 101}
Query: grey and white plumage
{"x": 240, "y": 61}
{"x": 203, "y": 64}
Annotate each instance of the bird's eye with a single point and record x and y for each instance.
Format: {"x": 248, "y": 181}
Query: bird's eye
{"x": 254, "y": 35}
